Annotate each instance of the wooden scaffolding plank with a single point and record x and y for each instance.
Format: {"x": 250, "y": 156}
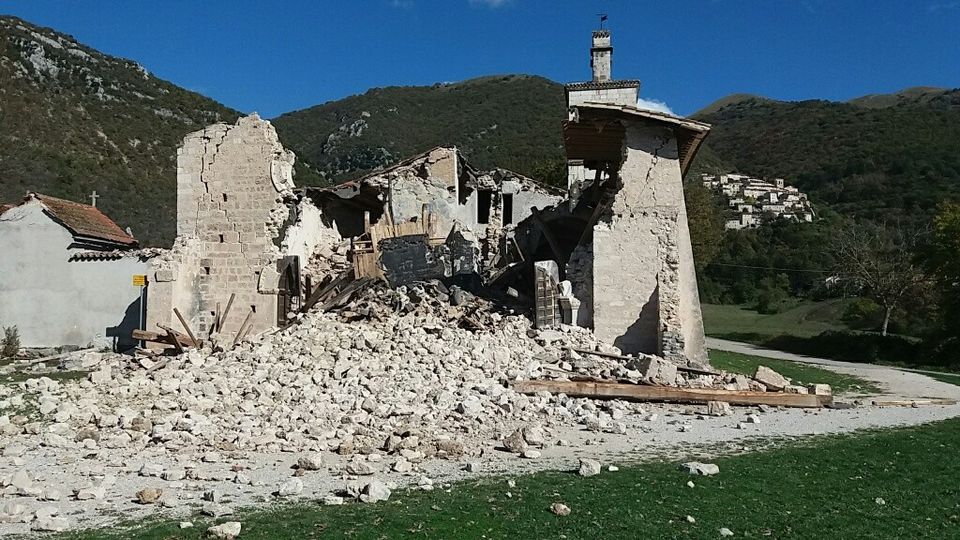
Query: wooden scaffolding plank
{"x": 633, "y": 392}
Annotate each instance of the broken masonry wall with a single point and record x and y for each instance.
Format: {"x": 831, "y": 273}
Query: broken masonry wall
{"x": 579, "y": 271}
{"x": 644, "y": 286}
{"x": 173, "y": 282}
{"x": 308, "y": 236}
{"x": 232, "y": 181}
{"x": 501, "y": 185}
{"x": 431, "y": 180}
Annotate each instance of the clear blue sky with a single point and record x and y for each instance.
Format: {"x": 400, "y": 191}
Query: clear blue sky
{"x": 277, "y": 56}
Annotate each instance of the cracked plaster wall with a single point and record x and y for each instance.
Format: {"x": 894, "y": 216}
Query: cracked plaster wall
{"x": 644, "y": 285}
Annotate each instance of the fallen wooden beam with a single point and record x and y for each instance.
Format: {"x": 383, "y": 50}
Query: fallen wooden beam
{"x": 193, "y": 339}
{"x": 913, "y": 402}
{"x": 172, "y": 338}
{"x": 346, "y": 293}
{"x": 634, "y": 392}
{"x": 324, "y": 292}
{"x": 243, "y": 327}
{"x": 223, "y": 316}
{"x": 698, "y": 371}
{"x": 146, "y": 335}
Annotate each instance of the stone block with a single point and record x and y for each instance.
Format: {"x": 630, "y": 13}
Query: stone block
{"x": 820, "y": 389}
{"x": 655, "y": 370}
{"x": 770, "y": 378}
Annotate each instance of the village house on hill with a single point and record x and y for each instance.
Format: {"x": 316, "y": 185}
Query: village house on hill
{"x": 754, "y": 200}
{"x": 66, "y": 275}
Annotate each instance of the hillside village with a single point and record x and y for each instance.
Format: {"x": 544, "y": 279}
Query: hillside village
{"x": 755, "y": 201}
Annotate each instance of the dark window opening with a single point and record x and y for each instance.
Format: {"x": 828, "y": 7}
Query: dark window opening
{"x": 253, "y": 308}
{"x": 484, "y": 199}
{"x": 221, "y": 238}
{"x": 507, "y": 208}
{"x": 224, "y": 197}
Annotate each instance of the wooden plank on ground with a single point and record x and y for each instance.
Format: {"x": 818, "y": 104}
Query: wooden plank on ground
{"x": 635, "y": 392}
{"x": 913, "y": 402}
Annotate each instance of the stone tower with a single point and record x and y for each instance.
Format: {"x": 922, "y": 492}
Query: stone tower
{"x": 603, "y": 88}
{"x": 601, "y": 56}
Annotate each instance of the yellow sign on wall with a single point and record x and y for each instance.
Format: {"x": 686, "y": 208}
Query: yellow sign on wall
{"x": 139, "y": 280}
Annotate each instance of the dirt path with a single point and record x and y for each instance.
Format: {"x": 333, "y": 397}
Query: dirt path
{"x": 896, "y": 383}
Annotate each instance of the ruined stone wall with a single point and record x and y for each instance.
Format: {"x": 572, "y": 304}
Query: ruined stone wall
{"x": 644, "y": 287}
{"x": 432, "y": 180}
{"x": 231, "y": 184}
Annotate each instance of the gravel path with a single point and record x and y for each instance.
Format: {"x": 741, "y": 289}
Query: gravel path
{"x": 896, "y": 383}
{"x": 661, "y": 431}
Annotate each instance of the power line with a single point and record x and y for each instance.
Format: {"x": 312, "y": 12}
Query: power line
{"x": 772, "y": 268}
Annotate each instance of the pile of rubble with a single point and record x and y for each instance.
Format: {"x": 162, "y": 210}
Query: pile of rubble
{"x": 427, "y": 303}
{"x": 399, "y": 379}
{"x": 395, "y": 383}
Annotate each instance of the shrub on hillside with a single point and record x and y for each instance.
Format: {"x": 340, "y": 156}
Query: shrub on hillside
{"x": 11, "y": 342}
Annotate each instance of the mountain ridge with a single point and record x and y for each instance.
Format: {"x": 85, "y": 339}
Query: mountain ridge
{"x": 76, "y": 120}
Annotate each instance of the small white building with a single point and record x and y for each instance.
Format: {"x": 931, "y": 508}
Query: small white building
{"x": 66, "y": 275}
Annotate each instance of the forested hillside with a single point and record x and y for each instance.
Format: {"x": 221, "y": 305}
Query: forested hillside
{"x": 74, "y": 120}
{"x": 884, "y": 158}
{"x": 510, "y": 121}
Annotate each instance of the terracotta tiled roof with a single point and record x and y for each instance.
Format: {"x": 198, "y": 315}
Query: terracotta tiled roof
{"x": 85, "y": 220}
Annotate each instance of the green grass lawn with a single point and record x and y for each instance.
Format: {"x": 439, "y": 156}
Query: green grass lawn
{"x": 945, "y": 377}
{"x": 797, "y": 372}
{"x": 806, "y": 319}
{"x": 888, "y": 484}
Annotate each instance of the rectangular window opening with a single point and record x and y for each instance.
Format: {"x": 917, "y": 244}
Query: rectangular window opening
{"x": 221, "y": 238}
{"x": 206, "y": 270}
{"x": 224, "y": 197}
{"x": 507, "y": 208}
{"x": 484, "y": 199}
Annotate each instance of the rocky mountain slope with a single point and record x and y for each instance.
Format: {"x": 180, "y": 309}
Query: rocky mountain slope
{"x": 75, "y": 120}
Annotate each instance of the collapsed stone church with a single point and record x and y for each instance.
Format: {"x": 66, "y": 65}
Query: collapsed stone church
{"x": 611, "y": 252}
